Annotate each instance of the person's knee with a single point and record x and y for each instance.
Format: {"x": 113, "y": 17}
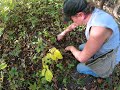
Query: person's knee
{"x": 80, "y": 67}
{"x": 81, "y": 47}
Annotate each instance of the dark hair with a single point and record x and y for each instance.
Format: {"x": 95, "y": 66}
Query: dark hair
{"x": 72, "y": 7}
{"x": 90, "y": 8}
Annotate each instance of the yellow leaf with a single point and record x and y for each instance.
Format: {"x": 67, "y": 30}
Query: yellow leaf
{"x": 53, "y": 57}
{"x": 1, "y": 79}
{"x": 48, "y": 75}
{"x": 45, "y": 66}
{"x": 55, "y": 54}
{"x": 52, "y": 50}
{"x": 43, "y": 61}
{"x": 43, "y": 72}
{"x": 58, "y": 54}
{"x": 48, "y": 56}
{"x": 3, "y": 66}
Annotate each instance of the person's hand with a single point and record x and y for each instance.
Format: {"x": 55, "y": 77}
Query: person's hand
{"x": 73, "y": 26}
{"x": 69, "y": 48}
{"x": 68, "y": 29}
{"x": 60, "y": 36}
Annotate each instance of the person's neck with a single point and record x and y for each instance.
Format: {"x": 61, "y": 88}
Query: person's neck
{"x": 87, "y": 17}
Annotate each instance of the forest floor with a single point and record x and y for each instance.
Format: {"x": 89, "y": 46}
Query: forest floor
{"x": 29, "y": 33}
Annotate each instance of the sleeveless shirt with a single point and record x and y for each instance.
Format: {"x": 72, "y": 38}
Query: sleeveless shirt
{"x": 103, "y": 19}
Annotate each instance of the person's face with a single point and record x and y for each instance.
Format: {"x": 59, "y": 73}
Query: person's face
{"x": 78, "y": 18}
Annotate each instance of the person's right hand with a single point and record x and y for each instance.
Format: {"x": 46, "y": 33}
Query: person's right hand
{"x": 60, "y": 36}
{"x": 68, "y": 29}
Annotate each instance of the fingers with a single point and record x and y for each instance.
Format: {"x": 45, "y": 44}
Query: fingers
{"x": 74, "y": 25}
{"x": 60, "y": 37}
{"x": 68, "y": 48}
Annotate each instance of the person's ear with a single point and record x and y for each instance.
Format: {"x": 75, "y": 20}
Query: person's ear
{"x": 81, "y": 14}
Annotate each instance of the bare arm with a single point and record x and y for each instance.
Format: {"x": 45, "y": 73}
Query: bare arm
{"x": 98, "y": 36}
{"x": 68, "y": 29}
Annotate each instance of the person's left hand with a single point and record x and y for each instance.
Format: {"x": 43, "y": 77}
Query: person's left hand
{"x": 69, "y": 48}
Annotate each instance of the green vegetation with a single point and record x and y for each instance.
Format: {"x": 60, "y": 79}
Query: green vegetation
{"x": 30, "y": 56}
{"x": 28, "y": 29}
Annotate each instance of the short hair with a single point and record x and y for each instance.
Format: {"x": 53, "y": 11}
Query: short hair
{"x": 72, "y": 7}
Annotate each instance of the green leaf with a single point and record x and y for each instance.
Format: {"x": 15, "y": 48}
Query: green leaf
{"x": 38, "y": 49}
{"x": 33, "y": 86}
{"x": 2, "y": 76}
{"x": 48, "y": 75}
{"x": 1, "y": 31}
{"x": 3, "y": 66}
{"x": 16, "y": 51}
{"x": 60, "y": 66}
{"x": 53, "y": 39}
{"x": 65, "y": 81}
{"x": 13, "y": 72}
{"x": 119, "y": 87}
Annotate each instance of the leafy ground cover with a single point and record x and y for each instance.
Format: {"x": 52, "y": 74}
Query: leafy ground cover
{"x": 28, "y": 30}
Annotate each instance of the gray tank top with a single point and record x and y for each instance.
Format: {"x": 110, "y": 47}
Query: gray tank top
{"x": 103, "y": 19}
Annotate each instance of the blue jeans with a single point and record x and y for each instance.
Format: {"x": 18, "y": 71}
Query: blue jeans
{"x": 82, "y": 68}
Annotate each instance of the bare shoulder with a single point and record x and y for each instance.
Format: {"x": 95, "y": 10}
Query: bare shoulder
{"x": 100, "y": 32}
